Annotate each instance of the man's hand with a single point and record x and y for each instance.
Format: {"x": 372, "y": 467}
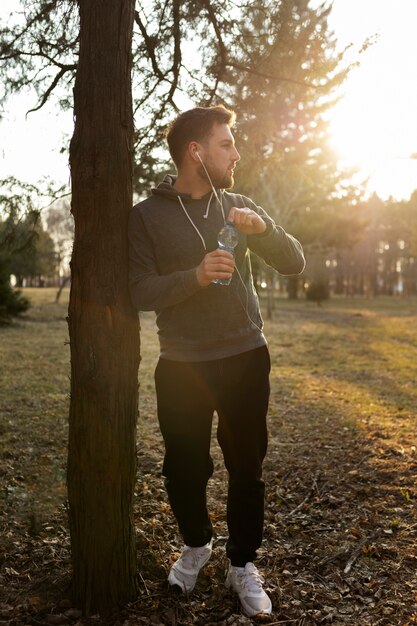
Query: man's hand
{"x": 216, "y": 264}
{"x": 247, "y": 221}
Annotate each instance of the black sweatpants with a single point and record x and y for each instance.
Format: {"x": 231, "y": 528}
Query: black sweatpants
{"x": 237, "y": 388}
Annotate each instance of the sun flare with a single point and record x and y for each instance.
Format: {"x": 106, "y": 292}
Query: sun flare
{"x": 369, "y": 135}
{"x": 374, "y": 127}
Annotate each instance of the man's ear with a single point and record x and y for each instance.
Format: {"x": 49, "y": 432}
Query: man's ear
{"x": 193, "y": 149}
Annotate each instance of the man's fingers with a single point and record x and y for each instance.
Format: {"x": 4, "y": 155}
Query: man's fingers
{"x": 216, "y": 264}
{"x": 221, "y": 254}
{"x": 220, "y": 257}
{"x": 246, "y": 220}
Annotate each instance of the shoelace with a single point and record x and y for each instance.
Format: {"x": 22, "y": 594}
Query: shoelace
{"x": 191, "y": 556}
{"x": 250, "y": 580}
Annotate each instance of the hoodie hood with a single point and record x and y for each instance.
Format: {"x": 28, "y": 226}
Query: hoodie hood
{"x": 166, "y": 189}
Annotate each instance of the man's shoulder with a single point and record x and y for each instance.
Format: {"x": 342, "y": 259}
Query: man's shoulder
{"x": 147, "y": 206}
{"x": 141, "y": 210}
{"x": 237, "y": 199}
{"x": 145, "y": 203}
{"x": 151, "y": 210}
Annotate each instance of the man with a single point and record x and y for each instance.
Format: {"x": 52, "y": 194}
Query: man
{"x": 213, "y": 354}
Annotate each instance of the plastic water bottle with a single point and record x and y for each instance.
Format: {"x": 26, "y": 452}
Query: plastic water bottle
{"x": 227, "y": 239}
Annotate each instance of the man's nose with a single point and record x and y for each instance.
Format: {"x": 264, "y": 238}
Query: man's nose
{"x": 237, "y": 156}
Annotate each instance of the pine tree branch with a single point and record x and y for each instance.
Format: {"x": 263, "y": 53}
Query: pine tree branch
{"x": 63, "y": 66}
{"x": 150, "y": 43}
{"x": 42, "y": 55}
{"x": 49, "y": 90}
{"x": 176, "y": 63}
{"x": 249, "y": 70}
{"x": 38, "y": 17}
{"x": 212, "y": 17}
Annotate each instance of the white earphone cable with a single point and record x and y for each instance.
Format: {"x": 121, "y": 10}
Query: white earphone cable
{"x": 192, "y": 223}
{"x": 219, "y": 200}
{"x": 245, "y": 306}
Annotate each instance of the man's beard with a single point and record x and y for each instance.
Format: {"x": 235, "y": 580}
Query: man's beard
{"x": 220, "y": 180}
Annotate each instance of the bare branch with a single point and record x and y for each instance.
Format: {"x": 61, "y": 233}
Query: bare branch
{"x": 215, "y": 24}
{"x": 49, "y": 90}
{"x": 150, "y": 43}
{"x": 20, "y": 53}
{"x": 211, "y": 90}
{"x": 176, "y": 62}
{"x": 63, "y": 66}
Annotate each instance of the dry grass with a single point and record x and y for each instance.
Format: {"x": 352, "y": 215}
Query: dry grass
{"x": 341, "y": 518}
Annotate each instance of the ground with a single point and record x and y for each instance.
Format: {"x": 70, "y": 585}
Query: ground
{"x": 341, "y": 517}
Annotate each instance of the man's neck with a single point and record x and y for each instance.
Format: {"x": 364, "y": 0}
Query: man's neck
{"x": 191, "y": 184}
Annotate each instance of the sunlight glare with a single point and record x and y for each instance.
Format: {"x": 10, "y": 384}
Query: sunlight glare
{"x": 374, "y": 126}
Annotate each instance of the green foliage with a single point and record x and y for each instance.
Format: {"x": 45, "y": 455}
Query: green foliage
{"x": 38, "y": 51}
{"x": 383, "y": 258}
{"x": 12, "y": 303}
{"x": 37, "y": 259}
{"x": 287, "y": 164}
{"x": 317, "y": 291}
{"x": 276, "y": 62}
{"x": 27, "y": 250}
{"x": 335, "y": 226}
{"x": 278, "y": 65}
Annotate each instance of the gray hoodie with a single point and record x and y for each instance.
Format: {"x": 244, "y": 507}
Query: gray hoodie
{"x": 200, "y": 323}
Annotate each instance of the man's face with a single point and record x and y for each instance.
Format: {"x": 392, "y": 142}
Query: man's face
{"x": 220, "y": 156}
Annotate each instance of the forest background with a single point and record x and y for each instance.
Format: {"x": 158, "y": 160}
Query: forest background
{"x": 283, "y": 71}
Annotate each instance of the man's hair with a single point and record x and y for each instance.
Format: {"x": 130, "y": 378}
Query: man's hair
{"x": 195, "y": 125}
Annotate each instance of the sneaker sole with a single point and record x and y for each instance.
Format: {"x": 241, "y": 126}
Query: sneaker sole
{"x": 179, "y": 587}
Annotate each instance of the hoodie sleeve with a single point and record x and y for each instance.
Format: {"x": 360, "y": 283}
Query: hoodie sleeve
{"x": 149, "y": 290}
{"x": 276, "y": 247}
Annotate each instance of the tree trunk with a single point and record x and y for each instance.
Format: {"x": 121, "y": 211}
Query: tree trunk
{"x": 64, "y": 283}
{"x": 292, "y": 287}
{"x": 103, "y": 326}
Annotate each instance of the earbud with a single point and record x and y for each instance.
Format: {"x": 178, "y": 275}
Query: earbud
{"x": 197, "y": 154}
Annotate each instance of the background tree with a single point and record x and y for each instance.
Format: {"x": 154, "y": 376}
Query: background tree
{"x": 409, "y": 249}
{"x": 293, "y": 72}
{"x": 373, "y": 251}
{"x": 34, "y": 260}
{"x": 60, "y": 226}
{"x": 27, "y": 246}
{"x": 103, "y": 326}
{"x": 20, "y": 232}
{"x": 12, "y": 303}
{"x": 274, "y": 62}
{"x": 189, "y": 52}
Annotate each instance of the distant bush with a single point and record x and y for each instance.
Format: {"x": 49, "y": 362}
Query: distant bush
{"x": 12, "y": 303}
{"x": 317, "y": 291}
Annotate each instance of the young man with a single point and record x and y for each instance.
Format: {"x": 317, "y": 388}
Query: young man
{"x": 213, "y": 354}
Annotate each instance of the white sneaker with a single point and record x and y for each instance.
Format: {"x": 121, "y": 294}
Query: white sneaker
{"x": 185, "y": 570}
{"x": 247, "y": 583}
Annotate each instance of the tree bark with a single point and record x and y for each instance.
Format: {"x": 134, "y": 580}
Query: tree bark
{"x": 103, "y": 326}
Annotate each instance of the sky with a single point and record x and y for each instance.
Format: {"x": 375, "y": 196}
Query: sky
{"x": 374, "y": 126}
